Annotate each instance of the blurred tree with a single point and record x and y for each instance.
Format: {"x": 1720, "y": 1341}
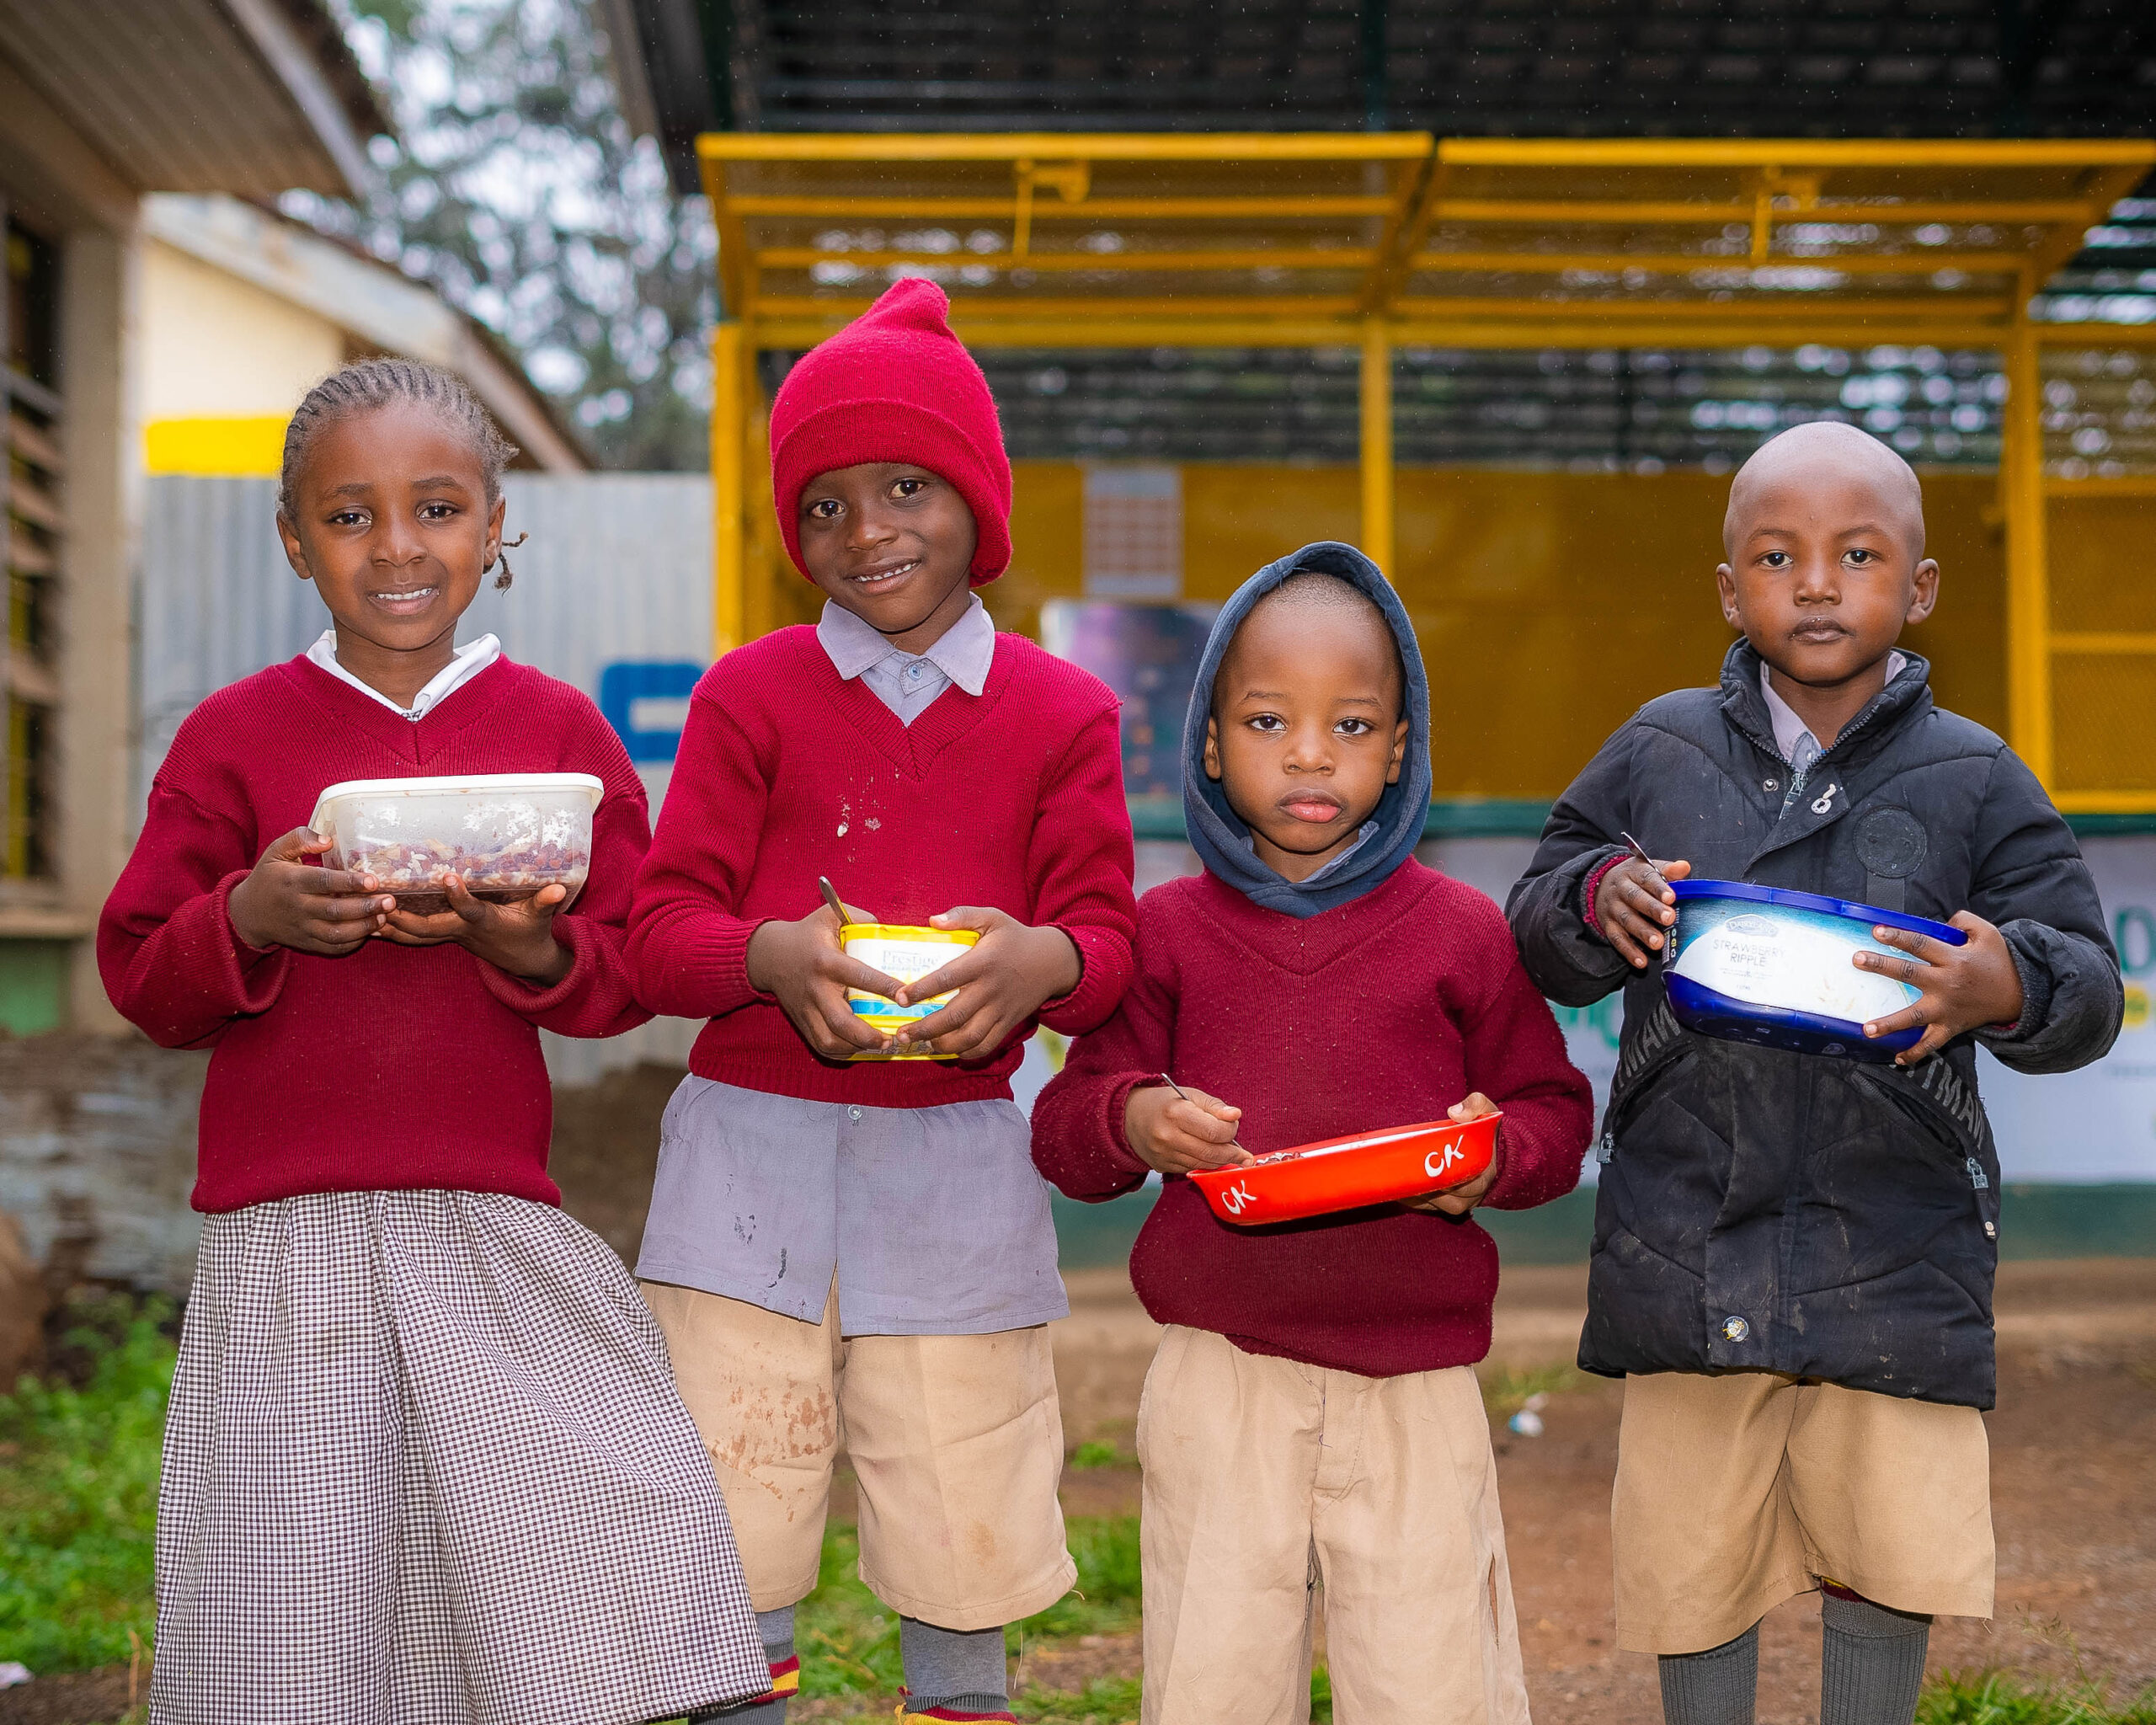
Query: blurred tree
{"x": 515, "y": 190}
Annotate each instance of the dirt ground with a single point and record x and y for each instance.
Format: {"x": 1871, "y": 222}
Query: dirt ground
{"x": 2073, "y": 1442}
{"x": 2074, "y": 1456}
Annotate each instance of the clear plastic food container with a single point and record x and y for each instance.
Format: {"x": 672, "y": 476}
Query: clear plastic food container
{"x": 507, "y": 834}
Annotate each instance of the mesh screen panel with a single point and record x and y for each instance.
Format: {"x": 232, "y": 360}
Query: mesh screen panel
{"x": 2105, "y": 721}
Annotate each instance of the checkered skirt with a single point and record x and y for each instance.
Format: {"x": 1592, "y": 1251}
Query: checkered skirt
{"x": 425, "y": 1464}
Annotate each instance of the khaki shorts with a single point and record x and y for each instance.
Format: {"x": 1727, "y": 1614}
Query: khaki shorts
{"x": 957, "y": 1442}
{"x": 1735, "y": 1492}
{"x": 1263, "y": 1477}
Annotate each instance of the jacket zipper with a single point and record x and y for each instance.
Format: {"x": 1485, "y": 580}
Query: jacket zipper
{"x": 1772, "y": 750}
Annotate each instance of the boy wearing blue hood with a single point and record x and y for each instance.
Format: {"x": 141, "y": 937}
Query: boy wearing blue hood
{"x": 1312, "y": 1413}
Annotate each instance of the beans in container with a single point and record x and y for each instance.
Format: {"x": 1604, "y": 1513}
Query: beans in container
{"x": 506, "y": 835}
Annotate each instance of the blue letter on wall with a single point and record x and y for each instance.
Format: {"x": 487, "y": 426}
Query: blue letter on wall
{"x": 631, "y": 684}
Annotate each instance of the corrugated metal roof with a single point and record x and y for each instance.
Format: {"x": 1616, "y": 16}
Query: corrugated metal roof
{"x": 1605, "y": 68}
{"x": 191, "y": 95}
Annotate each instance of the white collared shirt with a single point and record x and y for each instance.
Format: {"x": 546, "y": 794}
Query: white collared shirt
{"x": 1791, "y": 732}
{"x": 472, "y": 658}
{"x": 907, "y": 682}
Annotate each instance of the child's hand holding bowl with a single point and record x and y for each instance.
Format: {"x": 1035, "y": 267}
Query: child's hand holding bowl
{"x": 1000, "y": 981}
{"x": 803, "y": 966}
{"x": 1634, "y": 906}
{"x": 1962, "y": 988}
{"x": 1457, "y": 1201}
{"x": 286, "y": 901}
{"x": 517, "y": 939}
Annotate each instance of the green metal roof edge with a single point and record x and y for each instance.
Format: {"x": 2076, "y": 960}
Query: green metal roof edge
{"x": 2090, "y": 827}
{"x": 1161, "y": 818}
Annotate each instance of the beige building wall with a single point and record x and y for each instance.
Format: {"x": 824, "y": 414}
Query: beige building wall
{"x": 216, "y": 347}
{"x": 224, "y": 363}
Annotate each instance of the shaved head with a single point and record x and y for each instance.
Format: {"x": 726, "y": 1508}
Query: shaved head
{"x": 1827, "y": 452}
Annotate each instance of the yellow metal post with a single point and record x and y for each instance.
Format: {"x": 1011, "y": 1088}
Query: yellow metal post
{"x": 730, "y": 407}
{"x": 2028, "y": 579}
{"x": 1377, "y": 444}
{"x": 763, "y": 561}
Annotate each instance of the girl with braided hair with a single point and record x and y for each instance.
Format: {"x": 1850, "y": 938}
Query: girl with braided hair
{"x": 424, "y": 1462}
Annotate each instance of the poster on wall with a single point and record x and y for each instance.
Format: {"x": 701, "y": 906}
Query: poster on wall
{"x": 2098, "y": 1123}
{"x": 1149, "y": 655}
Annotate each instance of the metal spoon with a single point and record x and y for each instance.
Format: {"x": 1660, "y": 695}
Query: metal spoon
{"x": 1178, "y": 1089}
{"x": 838, "y": 905}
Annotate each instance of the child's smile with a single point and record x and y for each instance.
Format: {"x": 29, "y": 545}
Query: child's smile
{"x": 393, "y": 524}
{"x": 405, "y": 601}
{"x": 884, "y": 578}
{"x": 891, "y": 542}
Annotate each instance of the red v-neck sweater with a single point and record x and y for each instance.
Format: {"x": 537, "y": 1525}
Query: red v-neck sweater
{"x": 1011, "y": 799}
{"x": 1381, "y": 1011}
{"x": 396, "y": 1067}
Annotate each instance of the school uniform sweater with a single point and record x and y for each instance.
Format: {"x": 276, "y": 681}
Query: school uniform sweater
{"x": 394, "y": 1067}
{"x": 1011, "y": 799}
{"x": 1381, "y": 1011}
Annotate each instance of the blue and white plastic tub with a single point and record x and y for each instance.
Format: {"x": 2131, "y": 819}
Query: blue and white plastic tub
{"x": 1775, "y": 967}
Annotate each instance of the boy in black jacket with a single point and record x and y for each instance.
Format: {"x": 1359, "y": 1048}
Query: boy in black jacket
{"x": 1793, "y": 1254}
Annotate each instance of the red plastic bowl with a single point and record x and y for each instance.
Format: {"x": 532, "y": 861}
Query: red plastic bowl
{"x": 1346, "y": 1173}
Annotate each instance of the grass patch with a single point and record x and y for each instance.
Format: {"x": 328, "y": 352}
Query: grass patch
{"x": 848, "y": 1639}
{"x": 1994, "y": 1698}
{"x": 1098, "y": 1453}
{"x": 78, "y": 1492}
{"x": 78, "y": 1481}
{"x": 1505, "y": 1388}
{"x": 1106, "y": 1701}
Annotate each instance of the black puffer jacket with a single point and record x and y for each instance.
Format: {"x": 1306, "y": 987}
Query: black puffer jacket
{"x": 1762, "y": 1210}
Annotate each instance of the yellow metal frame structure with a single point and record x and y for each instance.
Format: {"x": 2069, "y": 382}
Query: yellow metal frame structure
{"x": 1371, "y": 241}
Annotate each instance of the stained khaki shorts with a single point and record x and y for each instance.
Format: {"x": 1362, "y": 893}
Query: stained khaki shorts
{"x": 957, "y": 1442}
{"x": 1735, "y": 1492}
{"x": 1263, "y": 1477}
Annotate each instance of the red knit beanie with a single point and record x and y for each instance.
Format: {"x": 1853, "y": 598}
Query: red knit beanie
{"x": 895, "y": 385}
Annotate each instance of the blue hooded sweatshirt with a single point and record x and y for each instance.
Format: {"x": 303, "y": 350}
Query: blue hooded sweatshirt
{"x": 1390, "y": 835}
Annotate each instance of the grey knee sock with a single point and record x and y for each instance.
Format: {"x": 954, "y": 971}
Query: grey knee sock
{"x": 1719, "y": 1687}
{"x": 1871, "y": 1663}
{"x": 959, "y": 1668}
{"x": 774, "y": 1629}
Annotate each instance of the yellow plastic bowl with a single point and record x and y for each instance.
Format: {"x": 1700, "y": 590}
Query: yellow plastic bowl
{"x": 906, "y": 954}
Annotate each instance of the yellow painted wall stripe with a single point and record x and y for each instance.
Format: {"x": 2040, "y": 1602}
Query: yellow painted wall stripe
{"x": 226, "y": 448}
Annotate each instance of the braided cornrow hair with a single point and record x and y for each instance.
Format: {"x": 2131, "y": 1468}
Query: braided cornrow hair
{"x": 366, "y": 384}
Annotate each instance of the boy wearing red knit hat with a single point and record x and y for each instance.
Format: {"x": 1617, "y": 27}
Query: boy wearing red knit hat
{"x": 835, "y": 1238}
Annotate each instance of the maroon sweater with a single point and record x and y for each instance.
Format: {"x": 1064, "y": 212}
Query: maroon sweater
{"x": 1382, "y": 1012}
{"x": 395, "y": 1067}
{"x": 1011, "y": 799}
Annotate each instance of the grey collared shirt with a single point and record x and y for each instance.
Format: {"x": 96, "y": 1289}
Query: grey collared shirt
{"x": 1362, "y": 838}
{"x": 907, "y": 682}
{"x": 1791, "y": 732}
{"x": 934, "y": 1222}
